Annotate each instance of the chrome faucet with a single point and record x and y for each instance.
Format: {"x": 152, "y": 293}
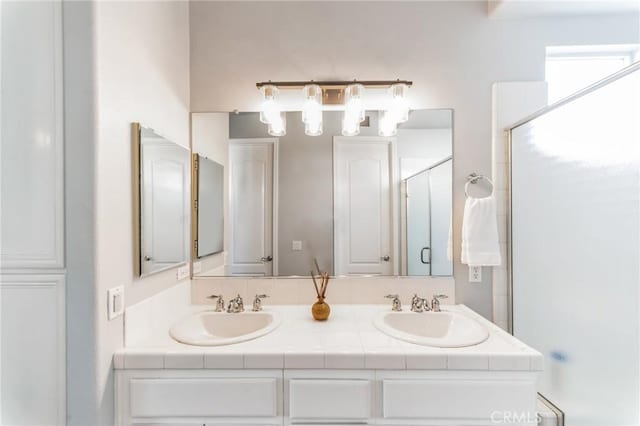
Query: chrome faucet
{"x": 236, "y": 305}
{"x": 219, "y": 302}
{"x": 419, "y": 304}
{"x": 435, "y": 303}
{"x": 396, "y": 305}
{"x": 257, "y": 302}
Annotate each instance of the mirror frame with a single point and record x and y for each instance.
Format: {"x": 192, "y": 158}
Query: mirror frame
{"x": 136, "y": 169}
{"x": 136, "y": 130}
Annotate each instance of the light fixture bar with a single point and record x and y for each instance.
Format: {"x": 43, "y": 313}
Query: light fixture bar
{"x": 333, "y": 84}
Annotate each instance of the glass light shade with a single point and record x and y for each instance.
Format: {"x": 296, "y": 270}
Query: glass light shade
{"x": 313, "y": 128}
{"x": 353, "y": 100}
{"x": 312, "y": 108}
{"x": 399, "y": 103}
{"x": 386, "y": 124}
{"x": 270, "y": 109}
{"x": 278, "y": 127}
{"x": 350, "y": 124}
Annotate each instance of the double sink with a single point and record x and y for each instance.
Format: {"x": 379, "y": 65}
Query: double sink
{"x": 444, "y": 329}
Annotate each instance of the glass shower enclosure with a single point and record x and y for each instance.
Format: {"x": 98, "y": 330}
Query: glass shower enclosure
{"x": 575, "y": 249}
{"x": 428, "y": 220}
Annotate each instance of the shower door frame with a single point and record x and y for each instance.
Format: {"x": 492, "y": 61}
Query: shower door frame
{"x": 635, "y": 67}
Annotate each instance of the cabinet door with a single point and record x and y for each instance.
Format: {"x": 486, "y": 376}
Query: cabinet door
{"x": 470, "y": 400}
{"x": 204, "y": 397}
{"x": 31, "y": 165}
{"x": 341, "y": 400}
{"x": 32, "y": 360}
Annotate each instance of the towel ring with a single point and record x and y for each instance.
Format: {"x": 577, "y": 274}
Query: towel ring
{"x": 472, "y": 179}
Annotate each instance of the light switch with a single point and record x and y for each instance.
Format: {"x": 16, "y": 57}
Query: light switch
{"x": 296, "y": 245}
{"x": 115, "y": 302}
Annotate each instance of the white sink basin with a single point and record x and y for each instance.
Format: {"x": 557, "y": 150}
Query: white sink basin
{"x": 444, "y": 329}
{"x": 220, "y": 328}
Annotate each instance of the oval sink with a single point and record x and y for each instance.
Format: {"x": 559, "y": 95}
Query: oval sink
{"x": 220, "y": 328}
{"x": 444, "y": 329}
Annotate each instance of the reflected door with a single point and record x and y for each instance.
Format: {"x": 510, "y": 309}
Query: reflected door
{"x": 362, "y": 200}
{"x": 164, "y": 197}
{"x": 251, "y": 207}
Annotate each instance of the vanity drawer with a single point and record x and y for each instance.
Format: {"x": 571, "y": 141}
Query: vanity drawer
{"x": 453, "y": 399}
{"x": 207, "y": 397}
{"x": 331, "y": 400}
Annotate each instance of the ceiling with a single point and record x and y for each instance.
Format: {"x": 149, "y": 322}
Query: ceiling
{"x": 505, "y": 9}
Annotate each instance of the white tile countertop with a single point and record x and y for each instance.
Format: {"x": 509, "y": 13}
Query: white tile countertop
{"x": 348, "y": 340}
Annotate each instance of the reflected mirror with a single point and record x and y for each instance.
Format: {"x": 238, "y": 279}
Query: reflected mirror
{"x": 162, "y": 197}
{"x": 360, "y": 205}
{"x": 208, "y": 207}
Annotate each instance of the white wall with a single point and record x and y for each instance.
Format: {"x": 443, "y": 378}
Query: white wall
{"x": 131, "y": 62}
{"x": 510, "y": 102}
{"x": 451, "y": 50}
{"x": 80, "y": 129}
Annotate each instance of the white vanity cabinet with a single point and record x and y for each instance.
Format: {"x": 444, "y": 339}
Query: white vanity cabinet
{"x": 323, "y": 397}
{"x": 197, "y": 397}
{"x": 329, "y": 396}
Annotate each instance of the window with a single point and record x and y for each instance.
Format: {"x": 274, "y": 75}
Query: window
{"x": 572, "y": 68}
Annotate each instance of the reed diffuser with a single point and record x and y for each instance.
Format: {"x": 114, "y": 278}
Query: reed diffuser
{"x": 320, "y": 310}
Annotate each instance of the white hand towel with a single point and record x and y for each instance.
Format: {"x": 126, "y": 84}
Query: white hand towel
{"x": 480, "y": 244}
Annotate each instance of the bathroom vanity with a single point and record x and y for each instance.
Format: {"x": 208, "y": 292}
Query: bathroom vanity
{"x": 344, "y": 371}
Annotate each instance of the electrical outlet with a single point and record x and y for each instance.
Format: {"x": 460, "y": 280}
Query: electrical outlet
{"x": 475, "y": 274}
{"x": 197, "y": 267}
{"x": 296, "y": 245}
{"x": 115, "y": 302}
{"x": 182, "y": 273}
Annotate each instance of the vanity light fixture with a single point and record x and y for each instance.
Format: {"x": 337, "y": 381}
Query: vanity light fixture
{"x": 399, "y": 103}
{"x": 354, "y": 109}
{"x": 387, "y": 125}
{"x": 312, "y": 110}
{"x": 350, "y": 125}
{"x": 337, "y": 95}
{"x": 278, "y": 125}
{"x": 270, "y": 109}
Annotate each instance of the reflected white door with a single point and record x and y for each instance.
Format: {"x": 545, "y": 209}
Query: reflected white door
{"x": 164, "y": 226}
{"x": 251, "y": 207}
{"x": 363, "y": 206}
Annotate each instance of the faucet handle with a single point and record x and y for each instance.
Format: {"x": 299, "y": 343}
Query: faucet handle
{"x": 435, "y": 303}
{"x": 257, "y": 302}
{"x": 396, "y": 305}
{"x": 219, "y": 303}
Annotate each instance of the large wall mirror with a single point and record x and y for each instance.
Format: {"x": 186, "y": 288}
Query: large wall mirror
{"x": 161, "y": 202}
{"x": 358, "y": 205}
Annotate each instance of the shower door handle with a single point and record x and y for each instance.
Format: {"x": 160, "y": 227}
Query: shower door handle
{"x": 426, "y": 262}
